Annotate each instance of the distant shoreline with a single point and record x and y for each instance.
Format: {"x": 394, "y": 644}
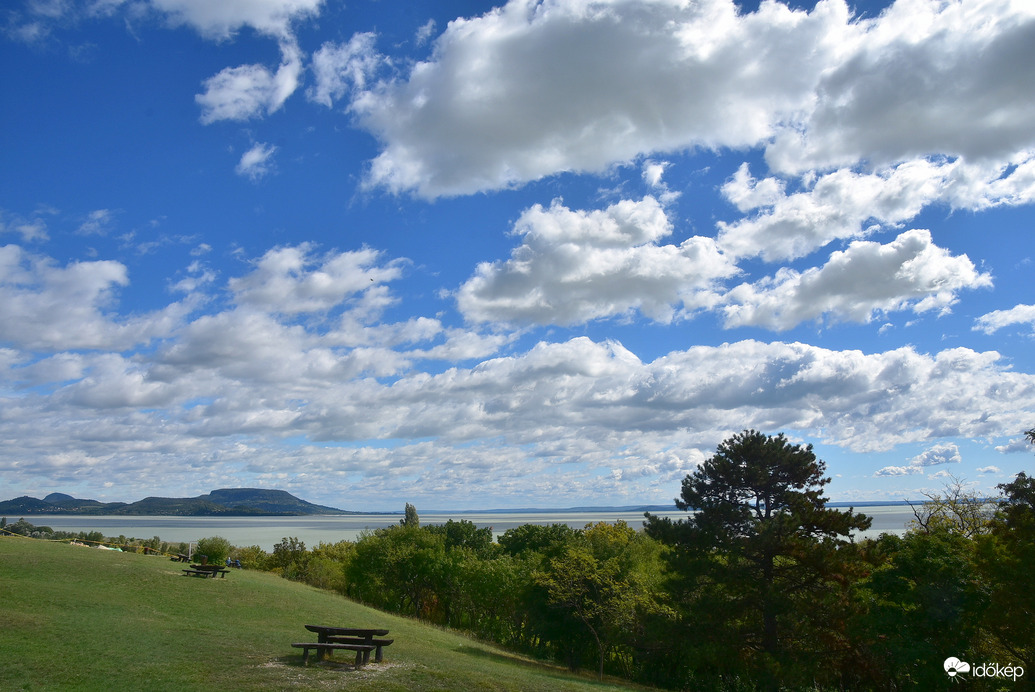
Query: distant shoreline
{"x": 520, "y": 510}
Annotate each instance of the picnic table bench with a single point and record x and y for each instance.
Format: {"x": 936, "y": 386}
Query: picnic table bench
{"x": 358, "y": 639}
{"x": 376, "y": 644}
{"x": 323, "y": 648}
{"x": 205, "y": 571}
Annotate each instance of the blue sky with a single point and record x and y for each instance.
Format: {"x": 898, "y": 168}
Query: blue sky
{"x": 534, "y": 254}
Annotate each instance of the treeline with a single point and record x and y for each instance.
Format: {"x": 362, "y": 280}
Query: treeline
{"x": 584, "y": 597}
{"x": 154, "y": 545}
{"x": 760, "y": 588}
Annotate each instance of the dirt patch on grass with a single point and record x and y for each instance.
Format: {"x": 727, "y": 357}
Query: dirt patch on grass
{"x": 313, "y": 677}
{"x": 370, "y": 670}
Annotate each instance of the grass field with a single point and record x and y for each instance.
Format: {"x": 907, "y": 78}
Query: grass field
{"x": 76, "y": 618}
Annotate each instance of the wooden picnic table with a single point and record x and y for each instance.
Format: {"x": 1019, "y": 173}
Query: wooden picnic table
{"x": 205, "y": 571}
{"x": 358, "y": 636}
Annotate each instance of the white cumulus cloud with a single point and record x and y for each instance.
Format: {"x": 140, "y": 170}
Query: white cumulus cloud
{"x": 257, "y": 161}
{"x": 47, "y": 307}
{"x": 290, "y": 280}
{"x": 339, "y": 68}
{"x": 530, "y": 89}
{"x": 858, "y": 284}
{"x": 223, "y": 18}
{"x": 574, "y": 266}
{"x": 993, "y": 321}
{"x": 925, "y": 78}
{"x": 250, "y": 91}
{"x": 937, "y": 455}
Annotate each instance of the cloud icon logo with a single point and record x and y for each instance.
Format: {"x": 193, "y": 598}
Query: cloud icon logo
{"x": 953, "y": 666}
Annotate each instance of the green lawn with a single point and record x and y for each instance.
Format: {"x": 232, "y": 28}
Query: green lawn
{"x": 82, "y": 619}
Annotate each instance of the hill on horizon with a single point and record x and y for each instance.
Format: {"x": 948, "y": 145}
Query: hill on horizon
{"x": 225, "y": 502}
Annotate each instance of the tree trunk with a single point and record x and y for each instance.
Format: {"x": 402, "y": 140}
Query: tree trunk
{"x": 770, "y": 638}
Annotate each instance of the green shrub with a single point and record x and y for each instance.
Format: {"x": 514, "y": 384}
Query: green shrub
{"x": 216, "y": 548}
{"x": 251, "y": 557}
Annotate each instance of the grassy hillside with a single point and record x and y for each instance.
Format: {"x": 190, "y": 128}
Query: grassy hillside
{"x": 82, "y": 619}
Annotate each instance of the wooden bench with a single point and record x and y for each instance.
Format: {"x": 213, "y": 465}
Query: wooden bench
{"x": 323, "y": 648}
{"x": 193, "y": 572}
{"x": 377, "y": 643}
{"x": 211, "y": 569}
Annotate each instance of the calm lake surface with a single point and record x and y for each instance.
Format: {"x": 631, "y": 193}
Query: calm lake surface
{"x": 312, "y": 530}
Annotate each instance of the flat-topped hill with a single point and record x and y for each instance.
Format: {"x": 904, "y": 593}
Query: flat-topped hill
{"x": 225, "y": 502}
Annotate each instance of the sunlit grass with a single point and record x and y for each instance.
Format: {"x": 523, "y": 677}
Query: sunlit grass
{"x": 82, "y": 619}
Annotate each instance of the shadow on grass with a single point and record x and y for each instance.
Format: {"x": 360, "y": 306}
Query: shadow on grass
{"x": 501, "y": 657}
{"x": 547, "y": 668}
{"x": 512, "y": 659}
{"x": 295, "y": 661}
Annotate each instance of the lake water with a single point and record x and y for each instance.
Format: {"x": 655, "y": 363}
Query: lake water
{"x": 314, "y": 529}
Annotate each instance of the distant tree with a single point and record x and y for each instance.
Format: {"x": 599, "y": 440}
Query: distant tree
{"x": 545, "y": 541}
{"x": 1019, "y": 496}
{"x": 464, "y": 534}
{"x": 956, "y": 510}
{"x": 607, "y": 581}
{"x": 398, "y": 568}
{"x": 251, "y": 557}
{"x": 594, "y": 592}
{"x": 216, "y": 549}
{"x": 759, "y": 555}
{"x": 411, "y": 518}
{"x": 286, "y": 553}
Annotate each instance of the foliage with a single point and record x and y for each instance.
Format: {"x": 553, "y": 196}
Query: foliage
{"x": 288, "y": 553}
{"x": 762, "y": 549}
{"x": 546, "y": 541}
{"x": 597, "y": 581}
{"x": 1006, "y": 560}
{"x": 217, "y": 549}
{"x": 398, "y": 568}
{"x": 251, "y": 557}
{"x": 464, "y": 534}
{"x": 759, "y": 558}
{"x": 956, "y": 510}
{"x": 410, "y": 518}
{"x": 923, "y": 601}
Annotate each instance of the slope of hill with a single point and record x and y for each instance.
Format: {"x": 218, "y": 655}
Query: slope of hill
{"x": 25, "y": 505}
{"x": 130, "y": 621}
